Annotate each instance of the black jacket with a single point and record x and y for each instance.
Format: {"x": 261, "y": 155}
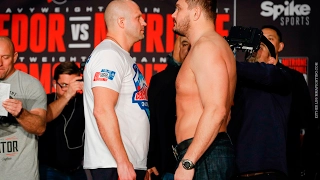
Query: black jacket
{"x": 162, "y": 105}
{"x": 300, "y": 117}
{"x": 259, "y": 117}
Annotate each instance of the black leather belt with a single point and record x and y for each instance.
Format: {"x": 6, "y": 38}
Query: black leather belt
{"x": 180, "y": 147}
{"x": 183, "y": 145}
{"x": 186, "y": 143}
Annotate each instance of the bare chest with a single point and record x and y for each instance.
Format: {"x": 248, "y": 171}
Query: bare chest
{"x": 185, "y": 82}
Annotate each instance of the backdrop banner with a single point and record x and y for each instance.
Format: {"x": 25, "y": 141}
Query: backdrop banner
{"x": 47, "y": 32}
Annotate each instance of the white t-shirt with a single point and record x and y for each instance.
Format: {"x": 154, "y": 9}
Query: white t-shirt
{"x": 112, "y": 67}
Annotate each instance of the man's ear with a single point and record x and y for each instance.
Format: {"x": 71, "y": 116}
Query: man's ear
{"x": 15, "y": 57}
{"x": 121, "y": 22}
{"x": 54, "y": 83}
{"x": 281, "y": 46}
{"x": 196, "y": 13}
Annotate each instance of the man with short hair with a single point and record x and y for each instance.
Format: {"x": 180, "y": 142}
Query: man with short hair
{"x": 205, "y": 87}
{"x": 300, "y": 153}
{"x": 26, "y": 120}
{"x": 115, "y": 99}
{"x": 61, "y": 146}
{"x": 259, "y": 117}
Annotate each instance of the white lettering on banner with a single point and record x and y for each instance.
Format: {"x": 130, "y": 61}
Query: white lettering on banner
{"x": 294, "y": 21}
{"x": 288, "y": 9}
{"x": 77, "y": 28}
{"x": 46, "y": 10}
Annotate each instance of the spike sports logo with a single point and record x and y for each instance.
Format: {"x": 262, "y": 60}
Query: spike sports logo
{"x": 58, "y": 2}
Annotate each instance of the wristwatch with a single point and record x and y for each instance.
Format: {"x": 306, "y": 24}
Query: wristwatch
{"x": 187, "y": 164}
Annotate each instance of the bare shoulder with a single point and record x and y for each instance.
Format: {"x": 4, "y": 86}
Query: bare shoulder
{"x": 213, "y": 46}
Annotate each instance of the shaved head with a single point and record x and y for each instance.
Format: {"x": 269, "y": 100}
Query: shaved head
{"x": 125, "y": 23}
{"x": 8, "y": 57}
{"x": 9, "y": 43}
{"x": 117, "y": 9}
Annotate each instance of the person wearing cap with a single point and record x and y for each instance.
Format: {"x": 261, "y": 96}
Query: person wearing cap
{"x": 259, "y": 117}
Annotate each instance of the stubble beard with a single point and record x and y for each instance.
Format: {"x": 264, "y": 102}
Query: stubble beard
{"x": 3, "y": 76}
{"x": 183, "y": 28}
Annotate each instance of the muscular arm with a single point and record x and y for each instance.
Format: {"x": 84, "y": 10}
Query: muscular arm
{"x": 214, "y": 97}
{"x": 104, "y": 111}
{"x": 32, "y": 121}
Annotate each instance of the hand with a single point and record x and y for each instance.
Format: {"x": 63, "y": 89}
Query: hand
{"x": 147, "y": 176}
{"x": 126, "y": 171}
{"x": 74, "y": 86}
{"x": 13, "y": 106}
{"x": 150, "y": 171}
{"x": 183, "y": 174}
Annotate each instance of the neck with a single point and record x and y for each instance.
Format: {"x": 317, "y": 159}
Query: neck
{"x": 123, "y": 43}
{"x": 194, "y": 34}
{"x": 114, "y": 40}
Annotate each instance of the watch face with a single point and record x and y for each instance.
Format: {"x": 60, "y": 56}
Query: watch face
{"x": 187, "y": 164}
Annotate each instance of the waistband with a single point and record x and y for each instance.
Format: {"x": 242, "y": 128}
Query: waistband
{"x": 183, "y": 145}
{"x": 186, "y": 143}
{"x": 65, "y": 171}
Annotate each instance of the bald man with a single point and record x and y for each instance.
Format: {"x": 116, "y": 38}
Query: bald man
{"x": 25, "y": 121}
{"x": 115, "y": 99}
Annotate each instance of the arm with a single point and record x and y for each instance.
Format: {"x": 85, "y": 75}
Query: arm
{"x": 105, "y": 101}
{"x": 32, "y": 121}
{"x": 55, "y": 108}
{"x": 263, "y": 74}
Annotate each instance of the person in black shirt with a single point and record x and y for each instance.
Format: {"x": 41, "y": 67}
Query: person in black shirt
{"x": 259, "y": 117}
{"x": 301, "y": 119}
{"x": 61, "y": 147}
{"x": 161, "y": 97}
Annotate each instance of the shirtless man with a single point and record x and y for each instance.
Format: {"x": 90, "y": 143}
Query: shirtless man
{"x": 205, "y": 88}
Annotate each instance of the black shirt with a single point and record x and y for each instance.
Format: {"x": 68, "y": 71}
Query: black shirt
{"x": 162, "y": 105}
{"x": 259, "y": 117}
{"x": 62, "y": 144}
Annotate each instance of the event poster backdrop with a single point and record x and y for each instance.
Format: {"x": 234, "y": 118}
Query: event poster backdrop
{"x": 47, "y": 32}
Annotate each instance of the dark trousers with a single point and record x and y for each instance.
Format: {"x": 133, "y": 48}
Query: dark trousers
{"x": 217, "y": 163}
{"x": 49, "y": 173}
{"x": 112, "y": 174}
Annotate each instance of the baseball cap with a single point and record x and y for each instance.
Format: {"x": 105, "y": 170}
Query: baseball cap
{"x": 269, "y": 45}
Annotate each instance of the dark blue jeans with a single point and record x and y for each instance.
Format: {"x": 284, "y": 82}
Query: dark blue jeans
{"x": 167, "y": 176}
{"x": 112, "y": 174}
{"x": 49, "y": 173}
{"x": 218, "y": 162}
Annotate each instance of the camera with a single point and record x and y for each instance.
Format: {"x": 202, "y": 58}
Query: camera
{"x": 82, "y": 66}
{"x": 244, "y": 38}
